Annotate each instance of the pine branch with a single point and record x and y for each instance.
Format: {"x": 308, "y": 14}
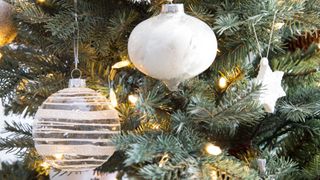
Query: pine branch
{"x": 236, "y": 108}
{"x": 311, "y": 171}
{"x": 30, "y": 13}
{"x": 16, "y": 144}
{"x": 280, "y": 167}
{"x": 18, "y": 129}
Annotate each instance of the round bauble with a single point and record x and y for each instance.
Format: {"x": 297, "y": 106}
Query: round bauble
{"x": 172, "y": 46}
{"x": 7, "y": 29}
{"x": 73, "y": 128}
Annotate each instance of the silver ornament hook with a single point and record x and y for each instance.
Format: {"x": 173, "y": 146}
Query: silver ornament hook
{"x": 74, "y": 70}
{"x": 76, "y": 41}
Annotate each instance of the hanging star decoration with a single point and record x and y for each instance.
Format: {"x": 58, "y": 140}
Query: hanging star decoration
{"x": 271, "y": 84}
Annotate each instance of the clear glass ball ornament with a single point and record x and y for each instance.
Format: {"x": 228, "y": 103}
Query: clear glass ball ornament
{"x": 73, "y": 128}
{"x": 172, "y": 46}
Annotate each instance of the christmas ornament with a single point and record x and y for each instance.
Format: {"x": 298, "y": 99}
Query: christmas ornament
{"x": 271, "y": 81}
{"x": 7, "y": 29}
{"x": 172, "y": 46}
{"x": 73, "y": 128}
{"x": 271, "y": 84}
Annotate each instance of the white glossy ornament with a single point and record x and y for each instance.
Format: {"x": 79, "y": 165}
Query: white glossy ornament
{"x": 7, "y": 29}
{"x": 172, "y": 46}
{"x": 73, "y": 128}
{"x": 271, "y": 84}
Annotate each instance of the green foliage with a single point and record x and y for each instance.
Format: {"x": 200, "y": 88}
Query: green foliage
{"x": 18, "y": 171}
{"x": 18, "y": 140}
{"x": 280, "y": 167}
{"x": 235, "y": 108}
{"x": 164, "y": 134}
{"x": 311, "y": 171}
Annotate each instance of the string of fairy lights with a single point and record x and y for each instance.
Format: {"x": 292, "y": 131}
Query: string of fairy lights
{"x": 134, "y": 98}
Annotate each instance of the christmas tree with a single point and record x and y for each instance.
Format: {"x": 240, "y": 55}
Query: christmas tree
{"x": 174, "y": 134}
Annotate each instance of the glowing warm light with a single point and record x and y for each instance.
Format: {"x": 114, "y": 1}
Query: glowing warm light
{"x": 113, "y": 98}
{"x": 121, "y": 64}
{"x": 214, "y": 175}
{"x": 41, "y": 1}
{"x": 6, "y": 39}
{"x": 45, "y": 165}
{"x": 49, "y": 75}
{"x": 212, "y": 149}
{"x": 156, "y": 126}
{"x": 22, "y": 84}
{"x": 1, "y": 55}
{"x": 278, "y": 26}
{"x": 223, "y": 82}
{"x": 133, "y": 99}
{"x": 58, "y": 156}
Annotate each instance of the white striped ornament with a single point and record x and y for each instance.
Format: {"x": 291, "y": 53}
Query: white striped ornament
{"x": 73, "y": 128}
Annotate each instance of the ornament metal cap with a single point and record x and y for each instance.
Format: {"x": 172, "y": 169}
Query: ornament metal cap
{"x": 77, "y": 83}
{"x": 172, "y": 8}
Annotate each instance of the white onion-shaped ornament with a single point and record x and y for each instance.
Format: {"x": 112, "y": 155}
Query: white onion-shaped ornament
{"x": 172, "y": 46}
{"x": 73, "y": 128}
{"x": 7, "y": 29}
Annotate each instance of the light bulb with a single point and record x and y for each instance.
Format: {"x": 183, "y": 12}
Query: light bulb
{"x": 49, "y": 75}
{"x": 133, "y": 99}
{"x": 58, "y": 156}
{"x": 121, "y": 64}
{"x": 113, "y": 98}
{"x": 41, "y": 1}
{"x": 214, "y": 175}
{"x": 223, "y": 82}
{"x": 155, "y": 126}
{"x": 212, "y": 149}
{"x": 45, "y": 165}
{"x": 278, "y": 26}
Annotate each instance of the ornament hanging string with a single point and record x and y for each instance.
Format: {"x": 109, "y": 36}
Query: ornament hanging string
{"x": 76, "y": 41}
{"x": 270, "y": 37}
{"x": 271, "y": 34}
{"x": 255, "y": 35}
